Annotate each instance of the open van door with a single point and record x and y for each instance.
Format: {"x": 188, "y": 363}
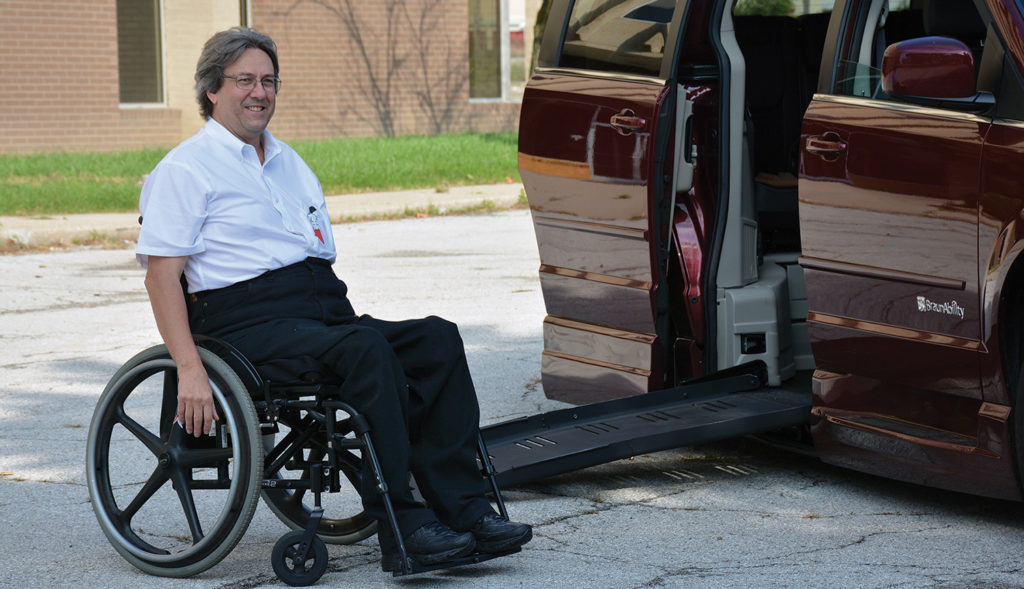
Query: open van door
{"x": 600, "y": 111}
{"x": 890, "y": 194}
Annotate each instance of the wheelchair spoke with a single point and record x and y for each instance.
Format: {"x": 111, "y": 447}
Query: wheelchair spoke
{"x": 316, "y": 454}
{"x": 188, "y": 504}
{"x": 156, "y": 480}
{"x": 295, "y": 497}
{"x": 283, "y": 451}
{"x": 211, "y": 457}
{"x": 350, "y": 460}
{"x": 355, "y": 477}
{"x": 150, "y": 440}
{"x": 179, "y": 506}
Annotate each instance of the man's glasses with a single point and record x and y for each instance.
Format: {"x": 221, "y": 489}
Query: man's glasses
{"x": 269, "y": 83}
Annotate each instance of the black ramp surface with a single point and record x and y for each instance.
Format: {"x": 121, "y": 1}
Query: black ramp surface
{"x": 716, "y": 408}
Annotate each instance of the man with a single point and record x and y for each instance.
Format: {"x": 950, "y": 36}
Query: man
{"x": 243, "y": 217}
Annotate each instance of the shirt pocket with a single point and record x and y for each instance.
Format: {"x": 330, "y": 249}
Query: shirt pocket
{"x": 320, "y": 224}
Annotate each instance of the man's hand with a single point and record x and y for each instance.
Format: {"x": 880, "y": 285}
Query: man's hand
{"x": 196, "y": 411}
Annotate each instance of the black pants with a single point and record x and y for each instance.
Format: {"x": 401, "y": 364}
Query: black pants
{"x": 408, "y": 378}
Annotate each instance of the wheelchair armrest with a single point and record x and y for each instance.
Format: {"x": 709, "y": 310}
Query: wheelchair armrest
{"x": 241, "y": 365}
{"x": 250, "y": 377}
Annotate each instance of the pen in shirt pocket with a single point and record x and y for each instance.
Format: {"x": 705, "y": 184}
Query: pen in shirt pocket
{"x": 314, "y": 220}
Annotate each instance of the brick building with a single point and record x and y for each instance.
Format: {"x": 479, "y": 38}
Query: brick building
{"x": 100, "y": 75}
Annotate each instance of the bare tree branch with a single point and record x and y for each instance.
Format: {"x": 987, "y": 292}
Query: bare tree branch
{"x": 384, "y": 63}
{"x": 438, "y": 96}
{"x": 379, "y": 83}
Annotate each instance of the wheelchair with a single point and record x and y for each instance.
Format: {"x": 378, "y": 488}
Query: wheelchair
{"x": 294, "y": 444}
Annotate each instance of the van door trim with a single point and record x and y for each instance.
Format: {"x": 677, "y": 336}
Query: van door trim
{"x": 653, "y": 80}
{"x": 901, "y": 107}
{"x": 904, "y": 333}
{"x": 882, "y": 273}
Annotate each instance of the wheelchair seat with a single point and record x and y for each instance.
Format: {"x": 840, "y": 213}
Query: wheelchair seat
{"x": 291, "y": 443}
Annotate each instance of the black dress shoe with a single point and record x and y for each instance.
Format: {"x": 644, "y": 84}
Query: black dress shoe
{"x": 495, "y": 534}
{"x": 430, "y": 544}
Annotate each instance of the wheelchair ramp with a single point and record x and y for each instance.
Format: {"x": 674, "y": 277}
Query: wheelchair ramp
{"x": 717, "y": 407}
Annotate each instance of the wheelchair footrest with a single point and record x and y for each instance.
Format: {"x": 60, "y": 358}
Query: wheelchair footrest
{"x": 475, "y": 558}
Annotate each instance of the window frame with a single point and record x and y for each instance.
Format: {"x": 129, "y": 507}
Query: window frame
{"x": 161, "y": 56}
{"x": 549, "y": 56}
{"x": 504, "y": 58}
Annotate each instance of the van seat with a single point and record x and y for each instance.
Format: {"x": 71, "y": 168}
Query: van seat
{"x": 813, "y": 29}
{"x": 770, "y": 48}
{"x": 954, "y": 18}
{"x": 904, "y": 24}
{"x": 782, "y": 57}
{"x": 958, "y": 19}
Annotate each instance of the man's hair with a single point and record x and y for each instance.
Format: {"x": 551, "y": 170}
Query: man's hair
{"x": 222, "y": 50}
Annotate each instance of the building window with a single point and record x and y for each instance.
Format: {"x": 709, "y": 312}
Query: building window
{"x": 139, "y": 51}
{"x": 497, "y": 57}
{"x": 519, "y": 57}
{"x": 485, "y": 49}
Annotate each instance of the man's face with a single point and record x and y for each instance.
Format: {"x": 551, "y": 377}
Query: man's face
{"x": 245, "y": 113}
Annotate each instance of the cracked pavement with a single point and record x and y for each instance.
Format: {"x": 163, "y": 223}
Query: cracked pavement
{"x": 732, "y": 514}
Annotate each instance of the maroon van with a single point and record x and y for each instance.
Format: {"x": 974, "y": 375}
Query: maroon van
{"x": 833, "y": 190}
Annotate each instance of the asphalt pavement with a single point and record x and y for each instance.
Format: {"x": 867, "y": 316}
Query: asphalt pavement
{"x": 732, "y": 514}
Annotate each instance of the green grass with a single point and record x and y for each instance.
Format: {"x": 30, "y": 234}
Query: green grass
{"x": 372, "y": 165}
{"x": 64, "y": 183}
{"x": 70, "y": 183}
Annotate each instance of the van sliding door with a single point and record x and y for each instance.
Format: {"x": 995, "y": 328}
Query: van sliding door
{"x": 587, "y": 155}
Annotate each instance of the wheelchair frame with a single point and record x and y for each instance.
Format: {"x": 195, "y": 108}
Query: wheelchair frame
{"x": 234, "y": 461}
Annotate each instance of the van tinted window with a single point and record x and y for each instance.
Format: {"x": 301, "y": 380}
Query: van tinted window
{"x": 625, "y": 36}
{"x": 859, "y": 68}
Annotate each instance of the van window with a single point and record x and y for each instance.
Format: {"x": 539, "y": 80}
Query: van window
{"x": 792, "y": 8}
{"x": 859, "y": 72}
{"x": 626, "y": 36}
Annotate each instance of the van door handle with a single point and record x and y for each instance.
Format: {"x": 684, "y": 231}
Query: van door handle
{"x": 626, "y": 122}
{"x": 828, "y": 146}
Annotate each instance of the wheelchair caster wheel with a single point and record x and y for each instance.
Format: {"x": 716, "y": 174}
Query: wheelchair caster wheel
{"x": 294, "y": 564}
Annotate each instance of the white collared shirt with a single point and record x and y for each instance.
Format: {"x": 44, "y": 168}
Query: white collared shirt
{"x": 210, "y": 199}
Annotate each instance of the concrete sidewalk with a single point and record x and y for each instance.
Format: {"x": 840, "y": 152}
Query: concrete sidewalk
{"x": 70, "y": 229}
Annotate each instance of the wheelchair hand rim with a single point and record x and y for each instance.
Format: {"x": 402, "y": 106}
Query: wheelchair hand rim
{"x": 101, "y": 491}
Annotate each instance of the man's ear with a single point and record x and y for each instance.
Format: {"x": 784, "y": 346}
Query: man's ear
{"x": 212, "y": 97}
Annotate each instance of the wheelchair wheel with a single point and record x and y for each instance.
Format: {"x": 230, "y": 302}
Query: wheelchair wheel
{"x": 295, "y": 563}
{"x": 305, "y": 442}
{"x": 171, "y": 504}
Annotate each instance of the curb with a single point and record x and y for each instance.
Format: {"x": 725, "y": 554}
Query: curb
{"x": 122, "y": 227}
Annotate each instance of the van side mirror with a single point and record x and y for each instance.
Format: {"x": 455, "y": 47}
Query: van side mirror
{"x": 933, "y": 71}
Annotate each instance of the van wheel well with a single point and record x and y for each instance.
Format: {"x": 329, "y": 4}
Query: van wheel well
{"x": 1011, "y": 334}
{"x": 1011, "y": 324}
